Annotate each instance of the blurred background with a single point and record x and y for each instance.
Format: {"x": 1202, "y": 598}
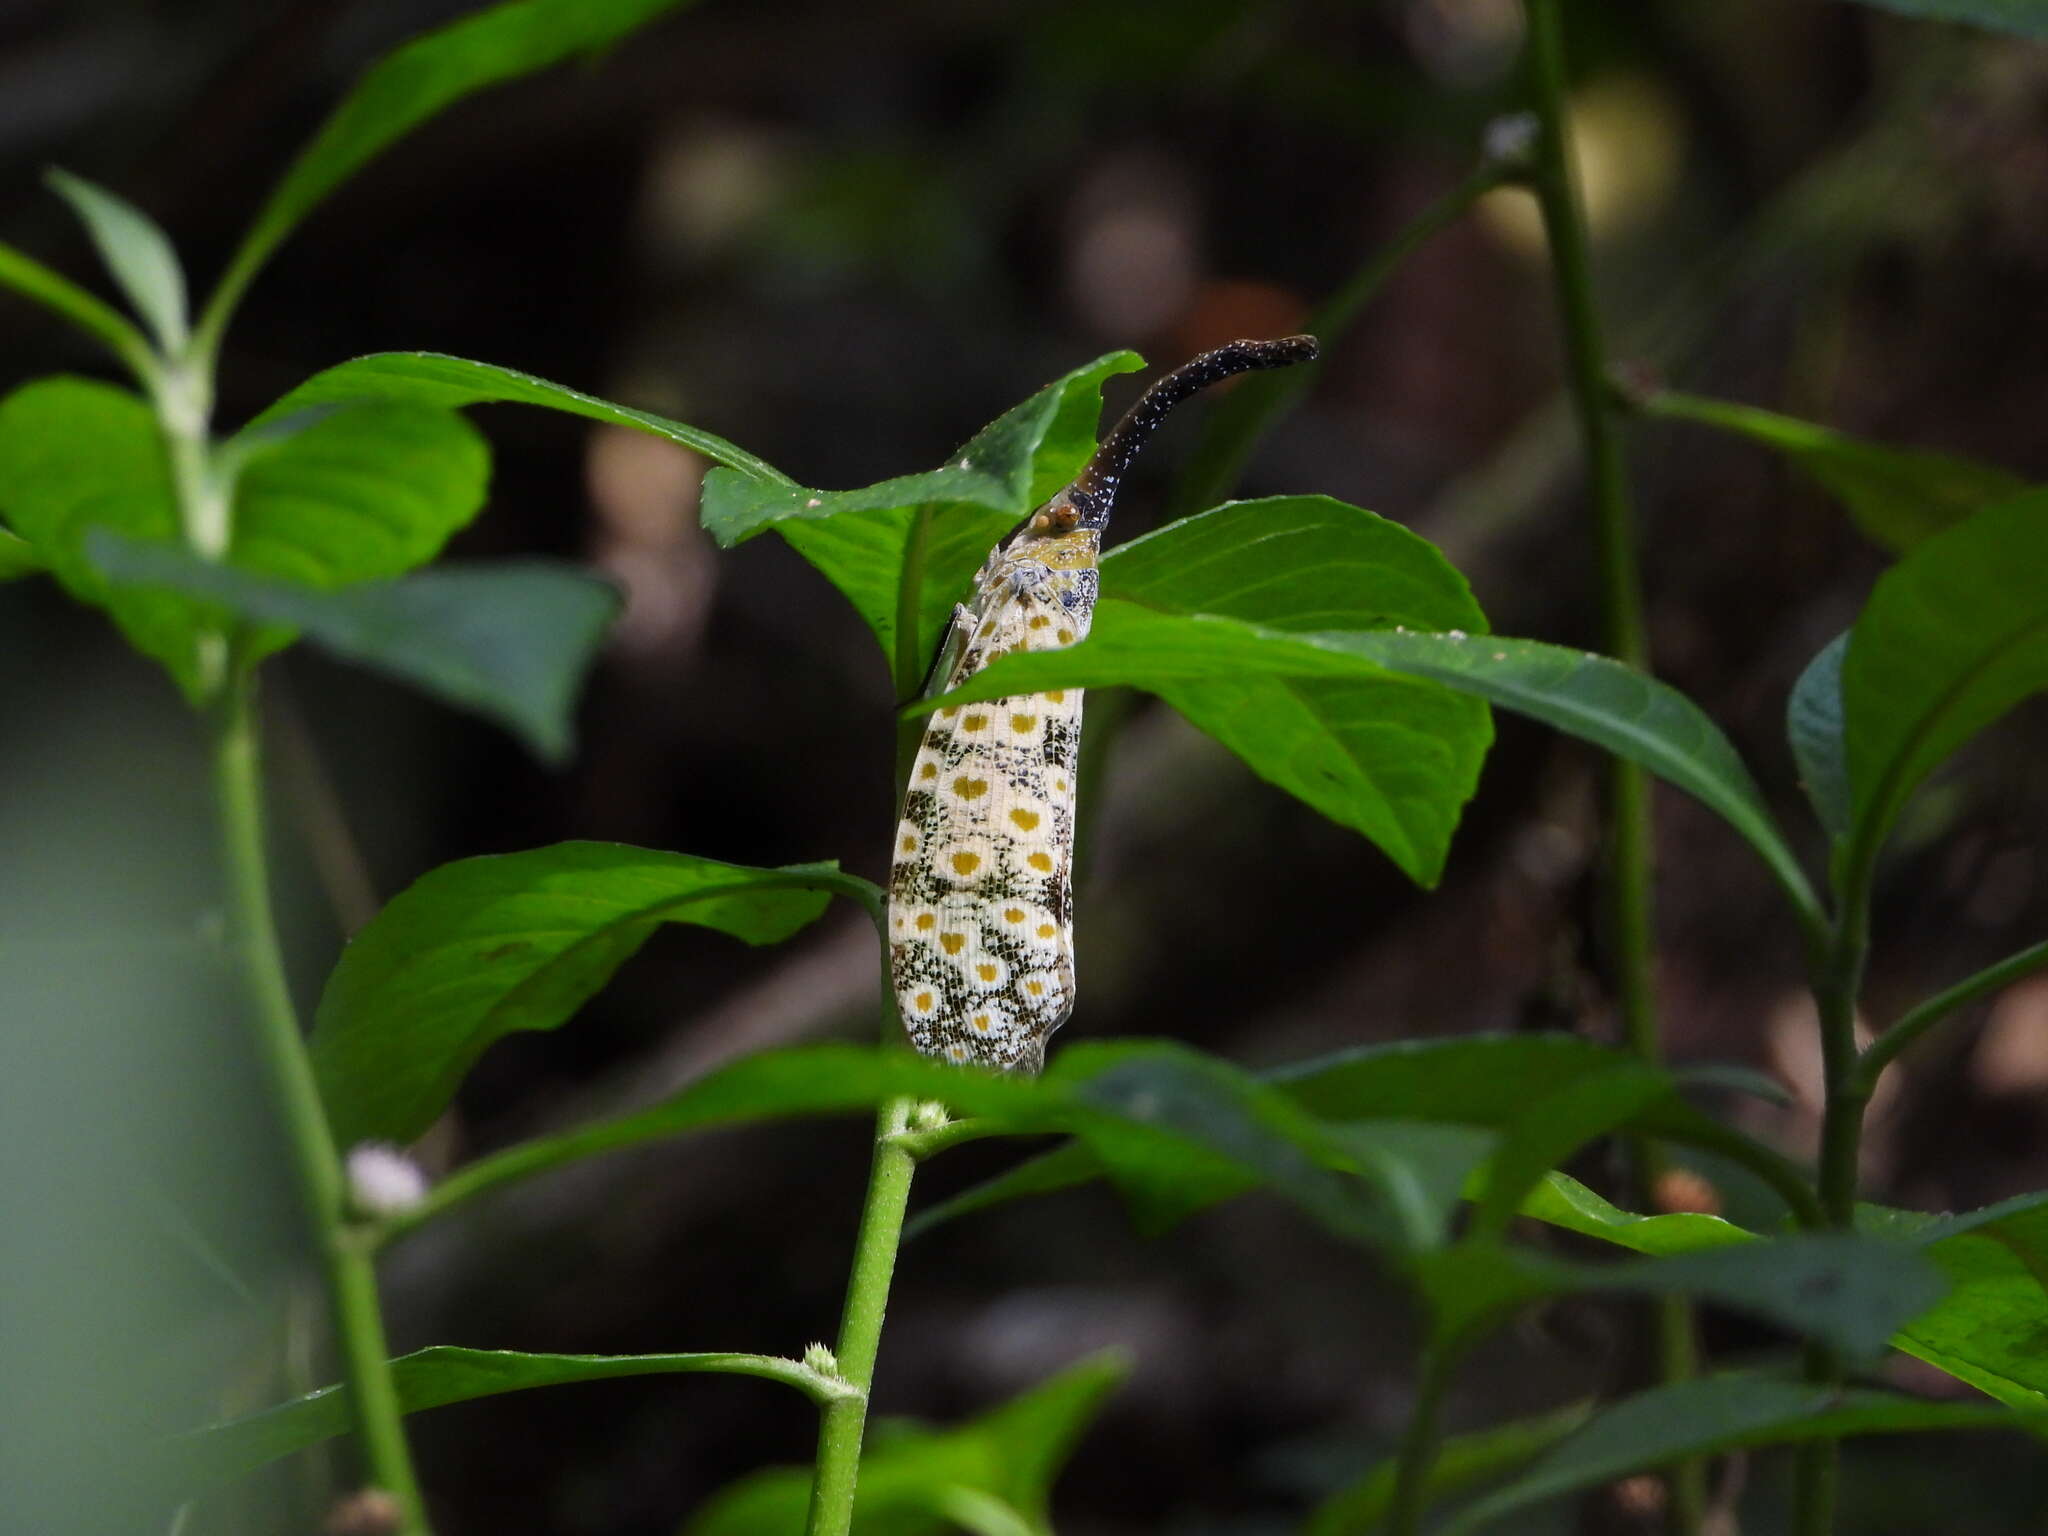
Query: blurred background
{"x": 846, "y": 237}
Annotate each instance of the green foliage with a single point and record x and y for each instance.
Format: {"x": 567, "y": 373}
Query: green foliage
{"x": 442, "y": 383}
{"x": 482, "y": 947}
{"x": 1813, "y": 724}
{"x": 1955, "y": 635}
{"x": 1987, "y": 1331}
{"x": 509, "y": 641}
{"x": 992, "y": 1476}
{"x": 905, "y": 551}
{"x": 1897, "y": 496}
{"x": 61, "y": 296}
{"x": 1721, "y": 1413}
{"x": 1590, "y": 696}
{"x": 361, "y": 493}
{"x": 434, "y": 1378}
{"x": 1462, "y": 1460}
{"x": 136, "y": 253}
{"x": 74, "y": 455}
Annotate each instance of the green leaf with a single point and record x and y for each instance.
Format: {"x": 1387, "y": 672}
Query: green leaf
{"x": 1955, "y": 635}
{"x": 1591, "y": 697}
{"x": 18, "y": 557}
{"x": 1461, "y": 1461}
{"x": 76, "y": 454}
{"x": 434, "y": 1378}
{"x": 361, "y": 493}
{"x": 915, "y": 1480}
{"x": 2028, "y": 18}
{"x": 1562, "y": 1201}
{"x": 1849, "y": 1292}
{"x": 510, "y": 640}
{"x": 1813, "y": 723}
{"x": 136, "y": 253}
{"x": 1372, "y": 753}
{"x": 1483, "y": 1081}
{"x": 1555, "y": 1125}
{"x": 1391, "y": 758}
{"x": 1254, "y": 1127}
{"x": 331, "y": 497}
{"x": 1988, "y": 1329}
{"x": 930, "y": 531}
{"x": 413, "y": 83}
{"x": 61, "y": 296}
{"x": 479, "y": 948}
{"x": 1707, "y": 1417}
{"x": 432, "y": 379}
{"x": 1898, "y": 496}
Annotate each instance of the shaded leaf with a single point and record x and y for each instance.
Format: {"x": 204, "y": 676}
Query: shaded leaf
{"x": 1461, "y": 1461}
{"x": 136, "y": 253}
{"x": 1954, "y": 636}
{"x": 1553, "y": 1126}
{"x": 1724, "y": 1413}
{"x": 1813, "y": 724}
{"x": 1897, "y": 496}
{"x": 414, "y": 82}
{"x": 510, "y": 641}
{"x": 931, "y": 531}
{"x": 434, "y": 1378}
{"x": 479, "y": 948}
{"x": 432, "y": 379}
{"x": 915, "y": 1480}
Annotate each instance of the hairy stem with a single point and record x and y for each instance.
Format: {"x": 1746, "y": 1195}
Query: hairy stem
{"x": 1626, "y": 867}
{"x": 345, "y": 1258}
{"x": 843, "y": 1424}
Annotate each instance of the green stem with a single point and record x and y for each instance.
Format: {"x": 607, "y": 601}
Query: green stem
{"x": 1417, "y": 1456}
{"x": 1627, "y": 876}
{"x": 1816, "y": 1470}
{"x": 842, "y": 1425}
{"x": 345, "y": 1257}
{"x": 1918, "y": 1021}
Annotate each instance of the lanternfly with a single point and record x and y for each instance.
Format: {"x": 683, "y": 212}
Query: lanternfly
{"x": 981, "y": 892}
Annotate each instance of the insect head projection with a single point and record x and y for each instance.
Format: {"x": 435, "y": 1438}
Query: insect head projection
{"x": 981, "y": 892}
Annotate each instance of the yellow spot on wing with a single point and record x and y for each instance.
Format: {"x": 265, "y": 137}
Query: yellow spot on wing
{"x": 974, "y": 723}
{"x": 926, "y": 921}
{"x": 910, "y": 845}
{"x": 966, "y": 863}
{"x": 1013, "y": 914}
{"x": 953, "y": 943}
{"x": 1057, "y": 696}
{"x": 1047, "y": 931}
{"x": 985, "y": 971}
{"x": 1022, "y": 723}
{"x": 970, "y": 789}
{"x": 1025, "y": 819}
{"x": 1040, "y": 861}
{"x": 928, "y": 771}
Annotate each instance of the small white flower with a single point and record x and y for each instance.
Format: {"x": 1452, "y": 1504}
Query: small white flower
{"x": 382, "y": 1180}
{"x": 820, "y": 1358}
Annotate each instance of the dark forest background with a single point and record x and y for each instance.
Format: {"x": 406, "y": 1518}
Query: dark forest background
{"x": 845, "y": 237}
